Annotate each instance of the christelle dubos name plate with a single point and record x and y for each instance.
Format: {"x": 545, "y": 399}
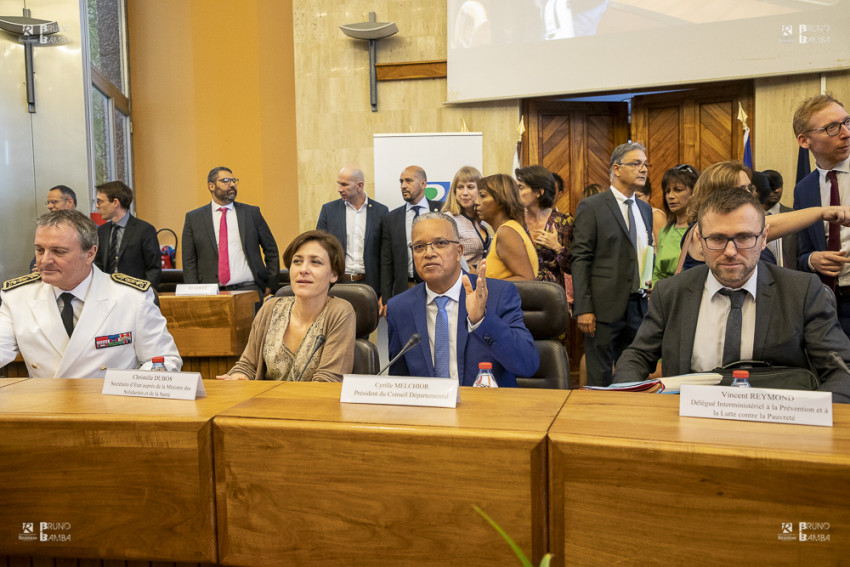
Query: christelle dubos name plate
{"x": 757, "y": 404}
{"x": 399, "y": 391}
{"x": 154, "y": 384}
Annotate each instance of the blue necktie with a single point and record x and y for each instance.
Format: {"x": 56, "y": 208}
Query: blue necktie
{"x": 441, "y": 338}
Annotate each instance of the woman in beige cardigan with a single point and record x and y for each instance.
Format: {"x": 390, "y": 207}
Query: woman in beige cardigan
{"x": 287, "y": 330}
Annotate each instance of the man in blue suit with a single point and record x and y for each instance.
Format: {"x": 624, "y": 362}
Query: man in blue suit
{"x": 355, "y": 220}
{"x": 822, "y": 126}
{"x": 460, "y": 323}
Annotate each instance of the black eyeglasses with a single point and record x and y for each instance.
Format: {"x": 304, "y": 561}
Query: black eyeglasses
{"x": 439, "y": 244}
{"x": 832, "y": 129}
{"x": 229, "y": 180}
{"x": 741, "y": 241}
{"x": 637, "y": 164}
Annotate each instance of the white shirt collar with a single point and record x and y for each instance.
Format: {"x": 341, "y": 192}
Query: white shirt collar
{"x": 423, "y": 202}
{"x": 352, "y": 207}
{"x": 843, "y": 166}
{"x": 80, "y": 292}
{"x": 774, "y": 210}
{"x": 620, "y": 197}
{"x": 452, "y": 293}
{"x": 216, "y": 206}
{"x": 712, "y": 286}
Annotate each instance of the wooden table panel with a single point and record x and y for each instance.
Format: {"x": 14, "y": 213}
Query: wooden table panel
{"x": 9, "y": 382}
{"x": 632, "y": 481}
{"x": 302, "y": 479}
{"x": 125, "y": 478}
{"x": 210, "y": 325}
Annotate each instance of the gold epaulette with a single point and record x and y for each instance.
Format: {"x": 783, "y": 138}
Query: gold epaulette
{"x": 141, "y": 285}
{"x": 22, "y": 280}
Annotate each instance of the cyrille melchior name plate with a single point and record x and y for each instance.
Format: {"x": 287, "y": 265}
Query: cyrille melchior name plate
{"x": 154, "y": 384}
{"x": 797, "y": 407}
{"x": 400, "y": 391}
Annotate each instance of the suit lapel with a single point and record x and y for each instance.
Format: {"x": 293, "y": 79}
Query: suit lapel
{"x": 207, "y": 223}
{"x": 646, "y": 213}
{"x": 614, "y": 206}
{"x": 96, "y": 310}
{"x": 45, "y": 311}
{"x": 242, "y": 219}
{"x": 129, "y": 233}
{"x": 421, "y": 323}
{"x": 764, "y": 309}
{"x": 341, "y": 221}
{"x": 690, "y": 307}
{"x": 462, "y": 332}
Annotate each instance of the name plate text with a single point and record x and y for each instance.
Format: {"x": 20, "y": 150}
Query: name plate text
{"x": 796, "y": 407}
{"x": 399, "y": 391}
{"x": 151, "y": 384}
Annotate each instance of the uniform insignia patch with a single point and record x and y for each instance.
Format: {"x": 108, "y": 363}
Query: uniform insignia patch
{"x": 141, "y": 285}
{"x": 113, "y": 340}
{"x": 22, "y": 280}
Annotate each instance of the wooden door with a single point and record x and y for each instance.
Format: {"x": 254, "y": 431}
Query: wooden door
{"x": 697, "y": 126}
{"x": 575, "y": 140}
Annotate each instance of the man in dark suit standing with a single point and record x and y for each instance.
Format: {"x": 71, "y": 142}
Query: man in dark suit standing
{"x": 822, "y": 126}
{"x": 397, "y": 272}
{"x": 356, "y": 222}
{"x": 461, "y": 320}
{"x": 737, "y": 308}
{"x": 610, "y": 238}
{"x": 222, "y": 241}
{"x": 784, "y": 249}
{"x": 126, "y": 244}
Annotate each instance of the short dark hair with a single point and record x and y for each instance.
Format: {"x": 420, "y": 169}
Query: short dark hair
{"x": 763, "y": 188}
{"x": 85, "y": 227}
{"x": 66, "y": 192}
{"x": 328, "y": 241}
{"x": 117, "y": 190}
{"x": 537, "y": 177}
{"x": 724, "y": 201}
{"x": 213, "y": 174}
{"x": 775, "y": 179}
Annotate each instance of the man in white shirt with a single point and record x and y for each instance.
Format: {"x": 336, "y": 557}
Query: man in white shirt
{"x": 355, "y": 220}
{"x": 222, "y": 241}
{"x": 611, "y": 233}
{"x": 737, "y": 308}
{"x": 70, "y": 320}
{"x": 822, "y": 126}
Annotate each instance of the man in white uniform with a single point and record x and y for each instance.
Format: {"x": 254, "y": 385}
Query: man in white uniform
{"x": 70, "y": 320}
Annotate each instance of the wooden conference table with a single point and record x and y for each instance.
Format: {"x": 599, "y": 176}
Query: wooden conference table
{"x": 283, "y": 474}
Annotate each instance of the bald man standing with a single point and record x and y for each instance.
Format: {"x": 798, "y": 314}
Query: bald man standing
{"x": 356, "y": 222}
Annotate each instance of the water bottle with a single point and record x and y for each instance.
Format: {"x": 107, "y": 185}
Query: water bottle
{"x": 158, "y": 364}
{"x": 740, "y": 379}
{"x": 485, "y": 378}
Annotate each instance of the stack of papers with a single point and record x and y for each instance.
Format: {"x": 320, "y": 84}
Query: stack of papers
{"x": 668, "y": 385}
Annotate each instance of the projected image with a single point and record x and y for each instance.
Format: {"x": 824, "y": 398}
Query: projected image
{"x": 479, "y": 23}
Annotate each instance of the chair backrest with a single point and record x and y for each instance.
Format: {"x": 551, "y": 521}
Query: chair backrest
{"x": 361, "y": 297}
{"x": 169, "y": 280}
{"x": 544, "y": 309}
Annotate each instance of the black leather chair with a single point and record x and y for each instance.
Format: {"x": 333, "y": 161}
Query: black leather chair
{"x": 365, "y": 303}
{"x": 169, "y": 280}
{"x": 544, "y": 309}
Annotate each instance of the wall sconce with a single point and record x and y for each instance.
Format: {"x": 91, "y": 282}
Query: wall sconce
{"x": 371, "y": 31}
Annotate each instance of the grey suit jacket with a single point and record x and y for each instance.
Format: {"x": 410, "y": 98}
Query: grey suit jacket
{"x": 332, "y": 219}
{"x": 138, "y": 255}
{"x": 200, "y": 250}
{"x": 603, "y": 256}
{"x": 796, "y": 325}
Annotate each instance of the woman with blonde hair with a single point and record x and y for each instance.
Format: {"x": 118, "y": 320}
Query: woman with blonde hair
{"x": 512, "y": 255}
{"x": 475, "y": 235}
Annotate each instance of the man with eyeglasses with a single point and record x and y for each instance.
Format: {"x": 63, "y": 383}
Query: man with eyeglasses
{"x": 737, "y": 308}
{"x": 222, "y": 241}
{"x": 461, "y": 320}
{"x": 611, "y": 234}
{"x": 822, "y": 126}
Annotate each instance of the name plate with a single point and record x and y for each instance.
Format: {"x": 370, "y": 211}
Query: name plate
{"x": 399, "y": 391}
{"x": 196, "y": 289}
{"x": 153, "y": 384}
{"x": 796, "y": 407}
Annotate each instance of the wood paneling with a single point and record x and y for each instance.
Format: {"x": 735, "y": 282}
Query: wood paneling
{"x": 209, "y": 325}
{"x": 412, "y": 70}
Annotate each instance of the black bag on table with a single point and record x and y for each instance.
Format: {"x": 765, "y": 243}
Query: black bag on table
{"x": 765, "y": 375}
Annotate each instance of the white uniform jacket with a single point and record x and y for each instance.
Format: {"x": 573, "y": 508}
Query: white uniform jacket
{"x": 118, "y": 327}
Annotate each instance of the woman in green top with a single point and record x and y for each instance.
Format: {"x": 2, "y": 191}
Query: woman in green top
{"x": 677, "y": 184}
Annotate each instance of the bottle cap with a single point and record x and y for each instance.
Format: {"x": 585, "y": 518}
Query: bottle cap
{"x": 158, "y": 359}
{"x": 485, "y": 365}
{"x": 740, "y": 374}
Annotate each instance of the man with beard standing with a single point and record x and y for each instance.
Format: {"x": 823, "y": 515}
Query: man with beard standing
{"x": 222, "y": 241}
